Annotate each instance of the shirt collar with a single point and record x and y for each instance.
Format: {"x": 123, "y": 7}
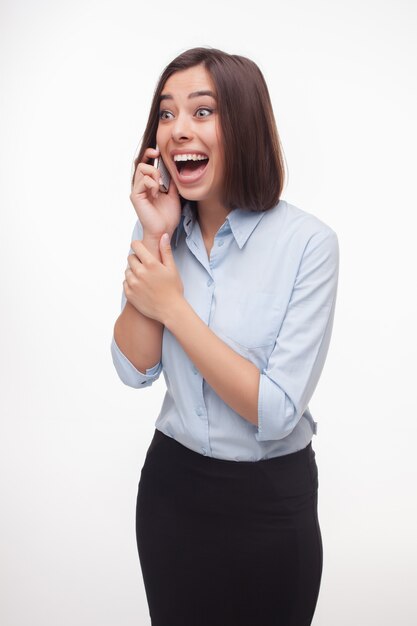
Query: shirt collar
{"x": 187, "y": 217}
{"x": 241, "y": 221}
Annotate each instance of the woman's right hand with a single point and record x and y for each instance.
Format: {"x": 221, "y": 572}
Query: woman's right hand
{"x": 158, "y": 212}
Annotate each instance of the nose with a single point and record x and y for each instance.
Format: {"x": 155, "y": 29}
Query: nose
{"x": 181, "y": 129}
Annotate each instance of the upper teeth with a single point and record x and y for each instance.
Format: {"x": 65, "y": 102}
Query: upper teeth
{"x": 189, "y": 157}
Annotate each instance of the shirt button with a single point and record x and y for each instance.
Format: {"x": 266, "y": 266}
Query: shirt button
{"x": 204, "y": 451}
{"x": 221, "y": 242}
{"x": 199, "y": 410}
{"x": 209, "y": 282}
{"x": 195, "y": 370}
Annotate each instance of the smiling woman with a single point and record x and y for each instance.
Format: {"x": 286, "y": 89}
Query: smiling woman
{"x": 238, "y": 316}
{"x": 189, "y": 137}
{"x": 233, "y": 90}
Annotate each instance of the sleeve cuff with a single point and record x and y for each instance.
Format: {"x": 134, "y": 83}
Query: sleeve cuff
{"x": 276, "y": 415}
{"x": 128, "y": 373}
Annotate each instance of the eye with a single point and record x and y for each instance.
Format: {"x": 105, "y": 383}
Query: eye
{"x": 165, "y": 115}
{"x": 203, "y": 112}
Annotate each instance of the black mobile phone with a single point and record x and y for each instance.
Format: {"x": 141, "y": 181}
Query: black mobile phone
{"x": 165, "y": 175}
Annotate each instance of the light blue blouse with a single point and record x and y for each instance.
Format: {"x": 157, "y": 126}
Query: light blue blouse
{"x": 268, "y": 291}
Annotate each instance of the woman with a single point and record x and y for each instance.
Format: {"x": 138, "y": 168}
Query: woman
{"x": 236, "y": 308}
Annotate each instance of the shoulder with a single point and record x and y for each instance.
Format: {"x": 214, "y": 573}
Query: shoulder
{"x": 291, "y": 233}
{"x": 287, "y": 220}
{"x": 291, "y": 226}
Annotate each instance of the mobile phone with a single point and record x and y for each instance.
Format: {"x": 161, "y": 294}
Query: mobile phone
{"x": 165, "y": 175}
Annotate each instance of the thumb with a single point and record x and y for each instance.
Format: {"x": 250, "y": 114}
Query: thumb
{"x": 166, "y": 250}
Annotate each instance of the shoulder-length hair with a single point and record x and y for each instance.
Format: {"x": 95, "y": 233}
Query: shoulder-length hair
{"x": 254, "y": 164}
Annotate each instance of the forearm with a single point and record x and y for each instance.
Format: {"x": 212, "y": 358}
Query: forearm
{"x": 234, "y": 378}
{"x": 140, "y": 337}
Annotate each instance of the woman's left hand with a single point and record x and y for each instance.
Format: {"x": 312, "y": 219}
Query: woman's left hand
{"x": 153, "y": 287}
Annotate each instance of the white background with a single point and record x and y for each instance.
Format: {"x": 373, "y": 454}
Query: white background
{"x": 77, "y": 79}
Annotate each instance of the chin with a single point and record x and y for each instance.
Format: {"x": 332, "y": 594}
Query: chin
{"x": 192, "y": 194}
{"x": 189, "y": 195}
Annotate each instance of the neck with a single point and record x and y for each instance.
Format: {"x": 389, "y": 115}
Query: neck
{"x": 211, "y": 215}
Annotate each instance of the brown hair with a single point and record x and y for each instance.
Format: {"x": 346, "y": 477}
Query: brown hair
{"x": 254, "y": 167}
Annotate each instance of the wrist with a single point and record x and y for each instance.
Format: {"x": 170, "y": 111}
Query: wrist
{"x": 152, "y": 245}
{"x": 176, "y": 314}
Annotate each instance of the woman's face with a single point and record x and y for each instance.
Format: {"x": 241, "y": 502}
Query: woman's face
{"x": 189, "y": 125}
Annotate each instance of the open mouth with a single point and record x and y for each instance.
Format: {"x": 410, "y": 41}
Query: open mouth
{"x": 190, "y": 166}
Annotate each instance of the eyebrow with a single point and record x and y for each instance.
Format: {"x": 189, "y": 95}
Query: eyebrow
{"x": 194, "y": 94}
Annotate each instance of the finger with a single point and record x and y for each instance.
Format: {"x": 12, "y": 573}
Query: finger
{"x": 133, "y": 263}
{"x": 150, "y": 170}
{"x": 137, "y": 186}
{"x": 131, "y": 279}
{"x": 150, "y": 153}
{"x": 152, "y": 185}
{"x": 141, "y": 252}
{"x": 143, "y": 184}
{"x": 145, "y": 168}
{"x": 126, "y": 288}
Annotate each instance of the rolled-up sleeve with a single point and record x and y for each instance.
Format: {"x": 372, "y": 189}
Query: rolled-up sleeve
{"x": 126, "y": 371}
{"x": 294, "y": 367}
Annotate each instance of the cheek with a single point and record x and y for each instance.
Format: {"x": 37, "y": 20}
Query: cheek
{"x": 219, "y": 149}
{"x": 161, "y": 135}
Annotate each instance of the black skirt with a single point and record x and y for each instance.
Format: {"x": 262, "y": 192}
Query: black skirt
{"x": 227, "y": 543}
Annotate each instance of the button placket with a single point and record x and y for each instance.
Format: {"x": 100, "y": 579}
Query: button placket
{"x": 200, "y": 412}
